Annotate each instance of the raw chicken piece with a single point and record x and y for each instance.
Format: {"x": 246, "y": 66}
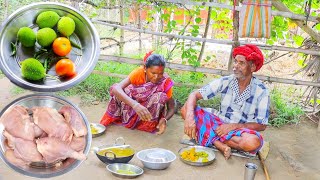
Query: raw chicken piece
{"x": 78, "y": 143}
{"x": 23, "y": 149}
{"x": 9, "y": 154}
{"x": 53, "y": 149}
{"x": 74, "y": 119}
{"x": 16, "y": 121}
{"x": 53, "y": 123}
{"x": 38, "y": 132}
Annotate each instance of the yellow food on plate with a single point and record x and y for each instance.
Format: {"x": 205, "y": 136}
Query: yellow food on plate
{"x": 93, "y": 129}
{"x": 192, "y": 155}
{"x": 126, "y": 172}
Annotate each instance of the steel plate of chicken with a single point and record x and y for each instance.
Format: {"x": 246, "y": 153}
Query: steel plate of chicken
{"x": 43, "y": 135}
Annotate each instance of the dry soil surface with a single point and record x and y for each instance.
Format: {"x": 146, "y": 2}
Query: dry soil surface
{"x": 294, "y": 151}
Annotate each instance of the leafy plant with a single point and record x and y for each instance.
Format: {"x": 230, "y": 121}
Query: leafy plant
{"x": 282, "y": 111}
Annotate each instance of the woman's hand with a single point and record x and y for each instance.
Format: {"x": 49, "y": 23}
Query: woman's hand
{"x": 142, "y": 112}
{"x": 162, "y": 125}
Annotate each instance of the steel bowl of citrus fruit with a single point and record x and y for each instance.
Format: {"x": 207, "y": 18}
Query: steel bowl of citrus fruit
{"x": 197, "y": 155}
{"x": 48, "y": 47}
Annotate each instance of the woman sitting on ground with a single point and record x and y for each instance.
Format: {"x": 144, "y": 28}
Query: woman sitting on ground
{"x": 139, "y": 101}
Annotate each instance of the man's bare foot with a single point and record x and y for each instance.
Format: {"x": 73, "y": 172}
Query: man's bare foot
{"x": 227, "y": 152}
{"x": 223, "y": 148}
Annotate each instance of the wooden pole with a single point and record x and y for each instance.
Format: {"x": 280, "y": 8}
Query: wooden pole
{"x": 205, "y": 34}
{"x": 225, "y": 6}
{"x": 121, "y": 30}
{"x": 264, "y": 167}
{"x": 5, "y": 15}
{"x": 139, "y": 26}
{"x": 220, "y": 72}
{"x": 280, "y": 6}
{"x": 229, "y": 42}
{"x": 75, "y": 4}
{"x": 235, "y": 36}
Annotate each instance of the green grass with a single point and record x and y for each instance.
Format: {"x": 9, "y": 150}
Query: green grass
{"x": 96, "y": 88}
{"x": 282, "y": 111}
{"x": 17, "y": 90}
{"x": 1, "y": 74}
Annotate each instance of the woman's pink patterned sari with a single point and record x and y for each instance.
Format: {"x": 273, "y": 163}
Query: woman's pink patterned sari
{"x": 152, "y": 96}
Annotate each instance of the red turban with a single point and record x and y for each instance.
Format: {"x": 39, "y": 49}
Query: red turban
{"x": 252, "y": 53}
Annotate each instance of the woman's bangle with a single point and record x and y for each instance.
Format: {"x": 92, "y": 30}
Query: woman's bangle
{"x": 135, "y": 104}
{"x": 165, "y": 120}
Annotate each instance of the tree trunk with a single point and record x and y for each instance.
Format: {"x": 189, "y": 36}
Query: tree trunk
{"x": 281, "y": 7}
{"x": 205, "y": 33}
{"x": 235, "y": 36}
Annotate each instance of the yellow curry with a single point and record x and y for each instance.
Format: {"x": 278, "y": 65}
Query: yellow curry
{"x": 192, "y": 155}
{"x": 119, "y": 152}
{"x": 126, "y": 172}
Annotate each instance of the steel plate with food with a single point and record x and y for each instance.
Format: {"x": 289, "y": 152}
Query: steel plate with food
{"x": 197, "y": 155}
{"x": 97, "y": 129}
{"x": 43, "y": 135}
{"x": 122, "y": 170}
{"x": 48, "y": 47}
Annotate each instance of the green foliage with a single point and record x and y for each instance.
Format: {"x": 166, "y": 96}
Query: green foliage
{"x": 95, "y": 87}
{"x": 1, "y": 74}
{"x": 17, "y": 90}
{"x": 282, "y": 111}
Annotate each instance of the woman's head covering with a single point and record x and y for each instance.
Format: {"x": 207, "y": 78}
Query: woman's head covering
{"x": 252, "y": 53}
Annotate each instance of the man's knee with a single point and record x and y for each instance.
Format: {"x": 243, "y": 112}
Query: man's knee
{"x": 250, "y": 143}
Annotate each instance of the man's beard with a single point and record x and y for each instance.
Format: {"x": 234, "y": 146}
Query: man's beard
{"x": 238, "y": 75}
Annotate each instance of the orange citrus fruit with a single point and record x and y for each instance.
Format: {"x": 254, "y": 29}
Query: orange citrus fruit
{"x": 61, "y": 46}
{"x": 65, "y": 67}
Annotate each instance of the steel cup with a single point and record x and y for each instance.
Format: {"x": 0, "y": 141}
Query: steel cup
{"x": 250, "y": 171}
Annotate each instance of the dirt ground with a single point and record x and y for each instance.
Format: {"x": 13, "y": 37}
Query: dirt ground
{"x": 294, "y": 151}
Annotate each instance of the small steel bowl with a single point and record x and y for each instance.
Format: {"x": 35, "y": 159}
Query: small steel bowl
{"x": 109, "y": 157}
{"x": 37, "y": 169}
{"x": 209, "y": 151}
{"x": 85, "y": 35}
{"x": 119, "y": 169}
{"x": 156, "y": 158}
{"x": 100, "y": 129}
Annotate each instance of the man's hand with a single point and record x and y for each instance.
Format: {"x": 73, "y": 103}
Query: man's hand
{"x": 142, "y": 112}
{"x": 190, "y": 128}
{"x": 225, "y": 129}
{"x": 162, "y": 125}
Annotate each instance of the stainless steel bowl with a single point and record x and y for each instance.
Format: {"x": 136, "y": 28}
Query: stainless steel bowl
{"x": 156, "y": 158}
{"x": 118, "y": 169}
{"x": 85, "y": 35}
{"x": 211, "y": 155}
{"x": 99, "y": 128}
{"x": 52, "y": 101}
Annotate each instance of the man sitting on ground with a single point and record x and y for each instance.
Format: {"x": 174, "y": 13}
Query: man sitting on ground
{"x": 244, "y": 107}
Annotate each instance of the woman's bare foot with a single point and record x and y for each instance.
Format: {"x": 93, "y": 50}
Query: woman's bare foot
{"x": 223, "y": 148}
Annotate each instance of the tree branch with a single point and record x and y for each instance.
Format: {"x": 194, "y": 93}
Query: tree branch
{"x": 280, "y": 6}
